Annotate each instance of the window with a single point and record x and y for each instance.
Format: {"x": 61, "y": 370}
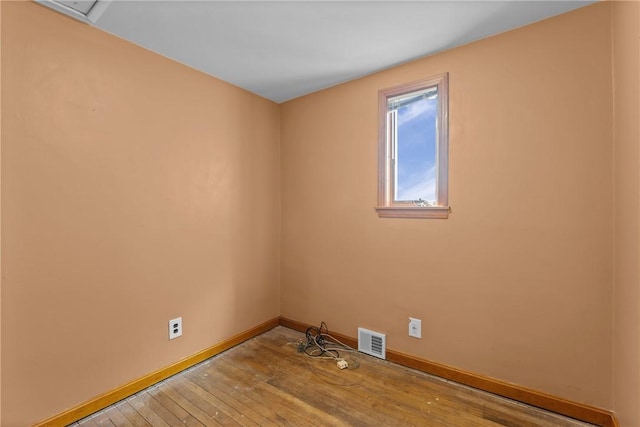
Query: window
{"x": 413, "y": 150}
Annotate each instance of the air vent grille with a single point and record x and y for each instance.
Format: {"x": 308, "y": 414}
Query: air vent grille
{"x": 372, "y": 343}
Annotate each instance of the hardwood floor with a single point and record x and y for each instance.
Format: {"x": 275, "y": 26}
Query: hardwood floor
{"x": 267, "y": 382}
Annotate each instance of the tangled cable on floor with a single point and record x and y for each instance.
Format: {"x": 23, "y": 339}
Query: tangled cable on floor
{"x": 321, "y": 345}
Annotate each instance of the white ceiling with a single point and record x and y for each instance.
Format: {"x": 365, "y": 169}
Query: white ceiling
{"x": 284, "y": 49}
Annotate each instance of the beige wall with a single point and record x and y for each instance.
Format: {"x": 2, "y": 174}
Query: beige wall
{"x": 0, "y": 219}
{"x": 134, "y": 190}
{"x": 626, "y": 50}
{"x": 517, "y": 283}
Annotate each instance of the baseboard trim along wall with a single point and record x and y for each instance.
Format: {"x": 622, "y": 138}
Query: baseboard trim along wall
{"x": 539, "y": 399}
{"x": 109, "y": 398}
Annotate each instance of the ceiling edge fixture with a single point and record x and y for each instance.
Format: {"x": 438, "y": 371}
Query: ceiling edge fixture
{"x": 87, "y": 11}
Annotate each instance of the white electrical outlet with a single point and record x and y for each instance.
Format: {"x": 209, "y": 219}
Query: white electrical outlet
{"x": 415, "y": 327}
{"x": 175, "y": 328}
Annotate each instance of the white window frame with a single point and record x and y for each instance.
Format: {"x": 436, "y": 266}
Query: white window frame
{"x": 387, "y": 208}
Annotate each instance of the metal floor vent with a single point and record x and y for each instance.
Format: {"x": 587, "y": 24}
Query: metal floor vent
{"x": 372, "y": 343}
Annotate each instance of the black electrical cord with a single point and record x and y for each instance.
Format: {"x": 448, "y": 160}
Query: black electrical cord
{"x": 320, "y": 344}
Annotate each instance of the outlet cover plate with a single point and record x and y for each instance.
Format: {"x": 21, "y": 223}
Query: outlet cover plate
{"x": 175, "y": 328}
{"x": 415, "y": 327}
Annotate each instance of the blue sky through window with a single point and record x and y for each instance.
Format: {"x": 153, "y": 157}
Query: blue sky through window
{"x": 416, "y": 150}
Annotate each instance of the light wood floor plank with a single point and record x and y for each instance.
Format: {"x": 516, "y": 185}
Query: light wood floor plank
{"x": 267, "y": 382}
{"x": 178, "y": 411}
{"x": 89, "y": 422}
{"x": 285, "y": 406}
{"x": 117, "y": 418}
{"x": 194, "y": 410}
{"x": 154, "y": 411}
{"x": 103, "y": 420}
{"x": 228, "y": 397}
{"x": 131, "y": 415}
{"x": 225, "y": 414}
{"x": 272, "y": 394}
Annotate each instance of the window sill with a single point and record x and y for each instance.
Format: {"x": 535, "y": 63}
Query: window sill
{"x": 428, "y": 212}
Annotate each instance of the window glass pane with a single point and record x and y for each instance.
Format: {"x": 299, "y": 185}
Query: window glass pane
{"x": 415, "y": 165}
{"x": 413, "y": 153}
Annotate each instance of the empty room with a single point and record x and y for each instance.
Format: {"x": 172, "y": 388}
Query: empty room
{"x": 320, "y": 213}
